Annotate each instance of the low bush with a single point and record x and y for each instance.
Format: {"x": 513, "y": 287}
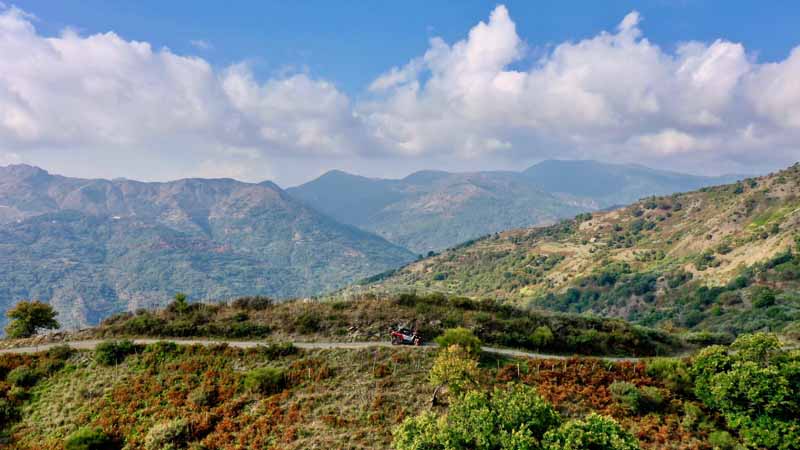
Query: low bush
{"x": 722, "y": 440}
{"x": 167, "y": 435}
{"x": 308, "y": 323}
{"x": 60, "y": 352}
{"x": 89, "y": 439}
{"x": 541, "y": 337}
{"x": 23, "y": 376}
{"x": 672, "y": 372}
{"x": 8, "y": 413}
{"x": 203, "y": 396}
{"x": 265, "y": 380}
{"x": 257, "y": 303}
{"x": 279, "y": 350}
{"x": 109, "y": 353}
{"x": 626, "y": 394}
{"x": 635, "y": 399}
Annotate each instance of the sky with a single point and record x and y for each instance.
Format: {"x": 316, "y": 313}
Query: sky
{"x": 288, "y": 90}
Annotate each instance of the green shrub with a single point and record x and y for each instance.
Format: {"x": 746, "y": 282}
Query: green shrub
{"x": 257, "y": 303}
{"x": 203, "y": 396}
{"x": 167, "y": 435}
{"x": 8, "y": 412}
{"x": 636, "y": 399}
{"x": 595, "y": 432}
{"x": 541, "y": 337}
{"x": 511, "y": 418}
{"x": 23, "y": 376}
{"x": 626, "y": 394}
{"x": 418, "y": 433}
{"x": 89, "y": 439}
{"x": 308, "y": 322}
{"x": 755, "y": 385}
{"x": 672, "y": 371}
{"x": 110, "y": 353}
{"x": 721, "y": 440}
{"x": 763, "y": 297}
{"x": 265, "y": 380}
{"x": 279, "y": 350}
{"x": 60, "y": 352}
{"x": 461, "y": 337}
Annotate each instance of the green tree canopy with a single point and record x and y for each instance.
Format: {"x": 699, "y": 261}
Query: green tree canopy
{"x": 28, "y": 317}
{"x": 755, "y": 384}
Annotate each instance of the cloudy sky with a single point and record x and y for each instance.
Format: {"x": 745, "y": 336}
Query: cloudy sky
{"x": 286, "y": 92}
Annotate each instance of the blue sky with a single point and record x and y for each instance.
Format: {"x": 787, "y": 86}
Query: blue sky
{"x": 352, "y": 42}
{"x": 288, "y": 90}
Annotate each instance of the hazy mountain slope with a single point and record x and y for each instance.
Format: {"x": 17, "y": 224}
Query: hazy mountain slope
{"x": 648, "y": 262}
{"x": 93, "y": 247}
{"x": 433, "y": 210}
{"x": 614, "y": 184}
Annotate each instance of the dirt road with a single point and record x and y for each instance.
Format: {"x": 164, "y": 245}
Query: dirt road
{"x": 91, "y": 344}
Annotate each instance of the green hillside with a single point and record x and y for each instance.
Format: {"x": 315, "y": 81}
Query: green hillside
{"x": 721, "y": 258}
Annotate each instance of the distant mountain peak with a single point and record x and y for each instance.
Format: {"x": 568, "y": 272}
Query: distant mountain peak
{"x": 21, "y": 171}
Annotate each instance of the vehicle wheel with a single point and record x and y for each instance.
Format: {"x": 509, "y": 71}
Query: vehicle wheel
{"x": 394, "y": 341}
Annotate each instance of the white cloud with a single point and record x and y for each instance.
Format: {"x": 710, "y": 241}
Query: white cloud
{"x": 478, "y": 101}
{"x": 615, "y": 95}
{"x": 102, "y": 90}
{"x": 201, "y": 44}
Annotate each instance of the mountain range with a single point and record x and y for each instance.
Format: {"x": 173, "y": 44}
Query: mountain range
{"x": 94, "y": 247}
{"x": 433, "y": 210}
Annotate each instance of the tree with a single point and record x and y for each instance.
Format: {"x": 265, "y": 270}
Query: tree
{"x": 461, "y": 337}
{"x": 28, "y": 317}
{"x": 455, "y": 368}
{"x": 755, "y": 385}
{"x": 180, "y": 304}
{"x": 510, "y": 418}
{"x": 594, "y": 432}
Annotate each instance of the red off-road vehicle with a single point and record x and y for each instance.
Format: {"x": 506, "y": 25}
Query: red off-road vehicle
{"x": 405, "y": 336}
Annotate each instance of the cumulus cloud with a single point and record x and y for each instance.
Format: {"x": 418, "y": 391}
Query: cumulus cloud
{"x": 102, "y": 90}
{"x": 615, "y": 96}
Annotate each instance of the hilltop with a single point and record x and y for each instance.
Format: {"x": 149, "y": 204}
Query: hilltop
{"x": 432, "y": 210}
{"x": 96, "y": 247}
{"x": 721, "y": 258}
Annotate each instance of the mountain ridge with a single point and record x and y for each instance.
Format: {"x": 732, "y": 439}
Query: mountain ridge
{"x": 95, "y": 247}
{"x": 400, "y": 209}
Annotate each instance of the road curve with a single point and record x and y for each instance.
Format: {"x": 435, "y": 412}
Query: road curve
{"x": 91, "y": 344}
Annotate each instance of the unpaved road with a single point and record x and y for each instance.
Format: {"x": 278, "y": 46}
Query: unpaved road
{"x": 91, "y": 344}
